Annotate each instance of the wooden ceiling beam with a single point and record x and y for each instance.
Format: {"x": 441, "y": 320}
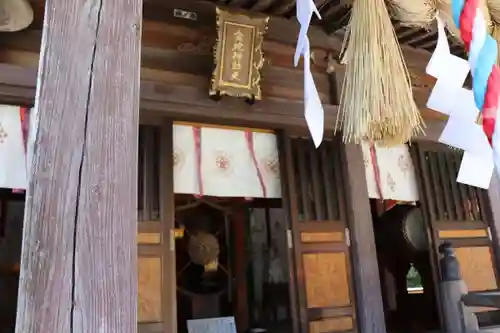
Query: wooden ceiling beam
{"x": 281, "y": 30}
{"x": 237, "y": 3}
{"x": 278, "y": 81}
{"x": 176, "y": 68}
{"x": 334, "y": 9}
{"x": 428, "y": 44}
{"x": 421, "y": 37}
{"x": 184, "y": 96}
{"x": 262, "y": 5}
{"x": 162, "y": 35}
{"x": 178, "y": 94}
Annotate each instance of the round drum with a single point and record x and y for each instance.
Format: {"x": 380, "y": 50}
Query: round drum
{"x": 414, "y": 230}
{"x": 402, "y": 227}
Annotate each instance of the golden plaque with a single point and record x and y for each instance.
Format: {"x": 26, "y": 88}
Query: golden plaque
{"x": 238, "y": 54}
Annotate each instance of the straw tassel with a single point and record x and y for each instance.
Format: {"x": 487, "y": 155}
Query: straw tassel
{"x": 377, "y": 102}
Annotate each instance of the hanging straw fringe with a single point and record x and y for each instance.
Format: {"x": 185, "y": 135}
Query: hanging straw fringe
{"x": 421, "y": 13}
{"x": 494, "y": 9}
{"x": 495, "y": 33}
{"x": 413, "y": 13}
{"x": 376, "y": 102}
{"x": 444, "y": 8}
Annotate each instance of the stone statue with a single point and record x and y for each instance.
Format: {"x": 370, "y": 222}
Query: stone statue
{"x": 15, "y": 15}
{"x": 450, "y": 268}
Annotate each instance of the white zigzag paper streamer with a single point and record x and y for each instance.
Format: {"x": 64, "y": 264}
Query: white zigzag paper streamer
{"x": 461, "y": 131}
{"x": 313, "y": 112}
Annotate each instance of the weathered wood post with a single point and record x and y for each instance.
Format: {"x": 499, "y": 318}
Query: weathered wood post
{"x": 370, "y": 309}
{"x": 78, "y": 265}
{"x": 368, "y": 290}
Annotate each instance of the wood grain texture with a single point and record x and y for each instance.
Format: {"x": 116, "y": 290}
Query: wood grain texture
{"x": 79, "y": 258}
{"x": 340, "y": 324}
{"x": 366, "y": 275}
{"x": 321, "y": 237}
{"x": 149, "y": 290}
{"x": 474, "y": 233}
{"x": 476, "y": 266}
{"x": 148, "y": 238}
{"x": 326, "y": 279}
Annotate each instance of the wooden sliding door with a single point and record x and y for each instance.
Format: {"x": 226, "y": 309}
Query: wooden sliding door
{"x": 313, "y": 189}
{"x": 455, "y": 213}
{"x": 156, "y": 262}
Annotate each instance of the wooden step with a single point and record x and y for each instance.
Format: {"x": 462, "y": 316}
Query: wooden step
{"x": 489, "y": 329}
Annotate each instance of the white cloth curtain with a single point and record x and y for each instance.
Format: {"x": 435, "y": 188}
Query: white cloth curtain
{"x": 227, "y": 166}
{"x": 13, "y": 173}
{"x": 397, "y": 173}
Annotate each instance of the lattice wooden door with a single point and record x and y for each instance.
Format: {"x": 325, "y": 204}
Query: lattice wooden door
{"x": 314, "y": 190}
{"x": 156, "y": 253}
{"x": 456, "y": 213}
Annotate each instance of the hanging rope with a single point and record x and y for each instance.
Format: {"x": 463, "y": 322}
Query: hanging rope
{"x": 482, "y": 49}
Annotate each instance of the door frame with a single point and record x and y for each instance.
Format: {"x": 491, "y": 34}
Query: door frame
{"x": 365, "y": 275}
{"x": 289, "y": 187}
{"x": 368, "y": 310}
{"x": 167, "y": 220}
{"x": 426, "y": 177}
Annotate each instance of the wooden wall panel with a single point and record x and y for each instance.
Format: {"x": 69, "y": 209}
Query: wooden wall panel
{"x": 340, "y": 324}
{"x": 148, "y": 238}
{"x": 476, "y": 266}
{"x": 149, "y": 299}
{"x": 474, "y": 233}
{"x": 326, "y": 279}
{"x": 321, "y": 237}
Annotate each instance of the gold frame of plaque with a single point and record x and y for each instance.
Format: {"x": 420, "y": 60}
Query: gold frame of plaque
{"x": 238, "y": 54}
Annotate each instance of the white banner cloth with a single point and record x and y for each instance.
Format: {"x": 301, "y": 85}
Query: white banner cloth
{"x": 13, "y": 172}
{"x": 397, "y": 174}
{"x": 227, "y": 166}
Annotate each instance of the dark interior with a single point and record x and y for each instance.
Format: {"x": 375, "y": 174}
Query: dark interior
{"x": 230, "y": 288}
{"x": 11, "y": 224}
{"x": 405, "y": 274}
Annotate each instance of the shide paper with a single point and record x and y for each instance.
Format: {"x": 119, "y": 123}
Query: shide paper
{"x": 461, "y": 131}
{"x": 313, "y": 109}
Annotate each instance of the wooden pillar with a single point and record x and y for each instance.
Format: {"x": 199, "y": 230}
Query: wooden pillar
{"x": 78, "y": 265}
{"x": 238, "y": 221}
{"x": 167, "y": 214}
{"x": 365, "y": 267}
